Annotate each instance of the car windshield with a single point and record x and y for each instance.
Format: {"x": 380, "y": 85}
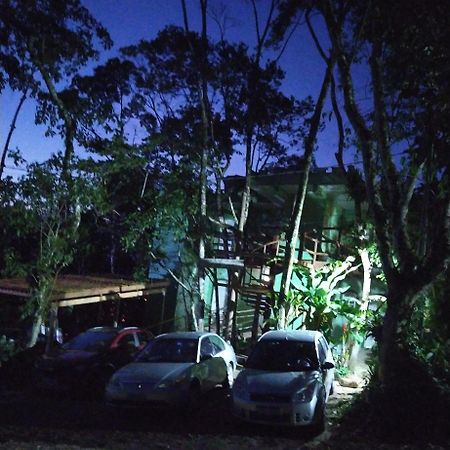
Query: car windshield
{"x": 91, "y": 341}
{"x": 283, "y": 356}
{"x": 169, "y": 350}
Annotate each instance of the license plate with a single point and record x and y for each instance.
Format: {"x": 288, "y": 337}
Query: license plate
{"x": 268, "y": 410}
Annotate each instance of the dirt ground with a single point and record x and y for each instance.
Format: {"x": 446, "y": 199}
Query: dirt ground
{"x": 32, "y": 421}
{"x": 29, "y": 420}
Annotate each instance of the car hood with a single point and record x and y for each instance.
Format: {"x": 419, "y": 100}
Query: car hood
{"x": 148, "y": 372}
{"x": 66, "y": 358}
{"x": 263, "y": 381}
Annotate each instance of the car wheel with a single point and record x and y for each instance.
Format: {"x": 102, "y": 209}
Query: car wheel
{"x": 229, "y": 378}
{"x": 96, "y": 382}
{"x": 193, "y": 397}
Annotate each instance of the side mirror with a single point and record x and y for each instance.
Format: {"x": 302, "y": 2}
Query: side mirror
{"x": 327, "y": 365}
{"x": 241, "y": 359}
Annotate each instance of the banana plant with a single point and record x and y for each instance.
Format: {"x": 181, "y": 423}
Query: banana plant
{"x": 315, "y": 293}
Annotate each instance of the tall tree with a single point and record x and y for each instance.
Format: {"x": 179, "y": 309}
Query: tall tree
{"x": 166, "y": 94}
{"x": 293, "y": 231}
{"x": 408, "y": 117}
{"x": 50, "y": 41}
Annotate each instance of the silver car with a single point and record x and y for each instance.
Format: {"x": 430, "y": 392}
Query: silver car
{"x": 174, "y": 368}
{"x": 287, "y": 380}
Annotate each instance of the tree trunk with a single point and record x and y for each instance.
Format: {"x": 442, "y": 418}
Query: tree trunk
{"x": 35, "y": 330}
{"x": 367, "y": 279}
{"x": 202, "y": 91}
{"x": 50, "y": 337}
{"x": 388, "y": 347}
{"x": 69, "y": 123}
{"x": 392, "y": 349}
{"x": 296, "y": 217}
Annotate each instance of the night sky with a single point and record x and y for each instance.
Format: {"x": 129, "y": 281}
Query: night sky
{"x": 128, "y": 21}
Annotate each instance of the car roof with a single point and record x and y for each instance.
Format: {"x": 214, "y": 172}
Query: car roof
{"x": 291, "y": 335}
{"x": 111, "y": 329}
{"x": 184, "y": 335}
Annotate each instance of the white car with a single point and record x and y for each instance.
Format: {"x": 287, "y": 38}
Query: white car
{"x": 287, "y": 380}
{"x": 174, "y": 369}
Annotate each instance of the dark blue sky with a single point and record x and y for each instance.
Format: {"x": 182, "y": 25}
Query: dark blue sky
{"x": 131, "y": 20}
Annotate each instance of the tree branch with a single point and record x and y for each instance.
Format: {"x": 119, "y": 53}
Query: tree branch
{"x": 11, "y": 130}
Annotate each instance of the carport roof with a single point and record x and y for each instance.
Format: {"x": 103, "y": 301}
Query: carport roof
{"x": 71, "y": 290}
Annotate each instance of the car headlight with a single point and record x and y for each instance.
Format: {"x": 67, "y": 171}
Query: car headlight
{"x": 305, "y": 394}
{"x": 173, "y": 382}
{"x": 240, "y": 390}
{"x": 115, "y": 382}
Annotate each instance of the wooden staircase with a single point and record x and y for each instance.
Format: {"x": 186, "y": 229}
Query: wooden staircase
{"x": 258, "y": 264}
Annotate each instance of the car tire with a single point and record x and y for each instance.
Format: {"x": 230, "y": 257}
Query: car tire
{"x": 193, "y": 398}
{"x": 96, "y": 382}
{"x": 229, "y": 378}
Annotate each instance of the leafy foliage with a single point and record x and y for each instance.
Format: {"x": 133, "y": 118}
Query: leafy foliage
{"x": 428, "y": 332}
{"x": 8, "y": 349}
{"x": 315, "y": 297}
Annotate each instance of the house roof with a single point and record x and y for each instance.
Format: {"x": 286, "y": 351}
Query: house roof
{"x": 71, "y": 290}
{"x": 276, "y": 187}
{"x": 322, "y": 177}
{"x": 274, "y": 193}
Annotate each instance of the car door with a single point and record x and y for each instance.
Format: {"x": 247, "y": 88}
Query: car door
{"x": 124, "y": 348}
{"x": 214, "y": 369}
{"x": 325, "y": 356}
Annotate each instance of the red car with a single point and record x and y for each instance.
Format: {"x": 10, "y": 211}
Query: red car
{"x": 86, "y": 362}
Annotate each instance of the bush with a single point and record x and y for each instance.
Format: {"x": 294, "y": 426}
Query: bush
{"x": 411, "y": 409}
{"x": 8, "y": 349}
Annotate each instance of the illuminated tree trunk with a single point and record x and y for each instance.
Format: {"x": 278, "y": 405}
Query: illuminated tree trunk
{"x": 202, "y": 91}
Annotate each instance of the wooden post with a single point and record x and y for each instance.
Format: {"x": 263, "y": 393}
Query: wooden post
{"x": 52, "y": 327}
{"x": 255, "y": 324}
{"x": 163, "y": 307}
{"x": 216, "y": 291}
{"x": 116, "y": 319}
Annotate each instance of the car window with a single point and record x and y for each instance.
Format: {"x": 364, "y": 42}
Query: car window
{"x": 322, "y": 350}
{"x": 91, "y": 341}
{"x": 127, "y": 340}
{"x": 169, "y": 350}
{"x": 219, "y": 345}
{"x": 283, "y": 356}
{"x": 142, "y": 338}
{"x": 207, "y": 347}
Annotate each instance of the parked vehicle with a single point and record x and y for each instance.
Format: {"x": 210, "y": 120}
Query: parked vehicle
{"x": 89, "y": 359}
{"x": 286, "y": 380}
{"x": 174, "y": 369}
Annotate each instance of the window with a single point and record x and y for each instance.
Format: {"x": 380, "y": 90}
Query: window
{"x": 323, "y": 350}
{"x": 142, "y": 338}
{"x": 91, "y": 341}
{"x": 169, "y": 350}
{"x": 206, "y": 348}
{"x": 218, "y": 344}
{"x": 283, "y": 356}
{"x": 127, "y": 341}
